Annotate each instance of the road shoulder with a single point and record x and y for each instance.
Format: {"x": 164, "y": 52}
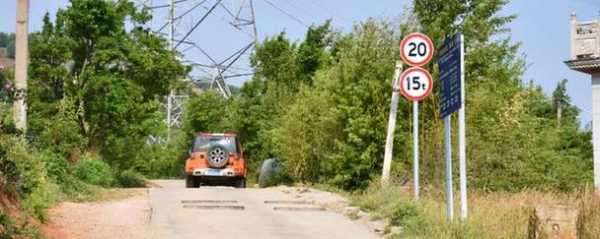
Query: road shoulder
{"x": 123, "y": 213}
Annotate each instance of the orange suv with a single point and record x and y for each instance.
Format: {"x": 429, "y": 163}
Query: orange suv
{"x": 216, "y": 159}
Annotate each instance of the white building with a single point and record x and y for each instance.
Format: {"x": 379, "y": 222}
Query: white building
{"x": 585, "y": 57}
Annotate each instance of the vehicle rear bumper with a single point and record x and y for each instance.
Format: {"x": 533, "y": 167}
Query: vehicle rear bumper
{"x": 217, "y": 180}
{"x": 213, "y": 172}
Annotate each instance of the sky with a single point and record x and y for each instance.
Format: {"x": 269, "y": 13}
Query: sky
{"x": 542, "y": 27}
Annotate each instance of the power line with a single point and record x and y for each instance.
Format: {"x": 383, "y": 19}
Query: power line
{"x": 325, "y": 9}
{"x": 221, "y": 18}
{"x": 307, "y": 12}
{"x": 287, "y": 14}
{"x": 166, "y": 5}
{"x": 198, "y": 23}
{"x": 227, "y": 10}
{"x": 182, "y": 15}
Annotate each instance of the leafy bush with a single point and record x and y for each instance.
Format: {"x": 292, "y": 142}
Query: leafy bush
{"x": 11, "y": 229}
{"x": 131, "y": 179}
{"x": 61, "y": 131}
{"x": 22, "y": 169}
{"x": 304, "y": 135}
{"x": 94, "y": 171}
{"x": 63, "y": 176}
{"x": 406, "y": 212}
{"x": 75, "y": 189}
{"x": 24, "y": 176}
{"x": 160, "y": 161}
{"x": 56, "y": 166}
{"x": 40, "y": 199}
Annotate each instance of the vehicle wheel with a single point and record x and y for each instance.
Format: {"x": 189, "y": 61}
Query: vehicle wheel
{"x": 191, "y": 182}
{"x": 240, "y": 183}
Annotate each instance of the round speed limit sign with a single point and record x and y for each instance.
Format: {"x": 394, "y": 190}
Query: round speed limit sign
{"x": 416, "y": 49}
{"x": 415, "y": 83}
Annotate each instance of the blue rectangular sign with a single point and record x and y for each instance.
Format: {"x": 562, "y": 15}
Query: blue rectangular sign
{"x": 449, "y": 62}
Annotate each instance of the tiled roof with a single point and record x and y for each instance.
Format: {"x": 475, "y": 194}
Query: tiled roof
{"x": 589, "y": 66}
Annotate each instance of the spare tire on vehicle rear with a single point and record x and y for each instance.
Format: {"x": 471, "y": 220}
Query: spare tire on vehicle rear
{"x": 218, "y": 156}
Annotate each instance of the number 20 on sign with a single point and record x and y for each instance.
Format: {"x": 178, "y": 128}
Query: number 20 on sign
{"x": 416, "y": 49}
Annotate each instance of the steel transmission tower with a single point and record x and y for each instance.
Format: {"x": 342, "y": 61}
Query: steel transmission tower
{"x": 197, "y": 30}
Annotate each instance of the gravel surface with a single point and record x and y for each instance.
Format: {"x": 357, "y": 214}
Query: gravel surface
{"x": 171, "y": 211}
{"x": 124, "y": 218}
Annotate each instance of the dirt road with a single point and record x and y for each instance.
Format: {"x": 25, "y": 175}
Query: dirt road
{"x": 173, "y": 211}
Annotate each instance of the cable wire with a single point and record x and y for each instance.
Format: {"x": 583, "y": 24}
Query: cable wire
{"x": 166, "y": 5}
{"x": 287, "y": 14}
{"x": 198, "y": 23}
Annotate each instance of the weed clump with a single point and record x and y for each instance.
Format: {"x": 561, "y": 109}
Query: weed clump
{"x": 588, "y": 222}
{"x": 94, "y": 171}
{"x": 131, "y": 179}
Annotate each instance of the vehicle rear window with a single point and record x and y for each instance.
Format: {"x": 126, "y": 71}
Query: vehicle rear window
{"x": 204, "y": 143}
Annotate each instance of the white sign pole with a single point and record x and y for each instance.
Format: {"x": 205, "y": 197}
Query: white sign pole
{"x": 448, "y": 146}
{"x": 389, "y": 140}
{"x": 462, "y": 148}
{"x": 416, "y": 84}
{"x": 416, "y": 148}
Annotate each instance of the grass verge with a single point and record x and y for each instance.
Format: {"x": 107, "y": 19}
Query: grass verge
{"x": 491, "y": 215}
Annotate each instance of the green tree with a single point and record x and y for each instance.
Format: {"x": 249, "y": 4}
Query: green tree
{"x": 207, "y": 112}
{"x": 313, "y": 51}
{"x": 7, "y": 40}
{"x": 510, "y": 145}
{"x": 303, "y": 136}
{"x": 115, "y": 75}
{"x": 345, "y": 107}
{"x": 332, "y": 132}
{"x": 562, "y": 104}
{"x": 281, "y": 67}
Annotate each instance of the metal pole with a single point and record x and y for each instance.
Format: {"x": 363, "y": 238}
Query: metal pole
{"x": 171, "y": 23}
{"x": 21, "y": 62}
{"x": 253, "y": 22}
{"x": 448, "y": 146}
{"x": 462, "y": 148}
{"x": 416, "y": 148}
{"x": 596, "y": 129}
{"x": 389, "y": 140}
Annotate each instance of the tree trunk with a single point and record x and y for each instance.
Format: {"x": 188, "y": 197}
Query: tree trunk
{"x": 558, "y": 115}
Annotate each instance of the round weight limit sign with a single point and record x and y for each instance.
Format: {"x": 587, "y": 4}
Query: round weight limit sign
{"x": 416, "y": 49}
{"x": 415, "y": 84}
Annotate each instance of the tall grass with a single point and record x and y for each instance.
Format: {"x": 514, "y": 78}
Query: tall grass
{"x": 588, "y": 222}
{"x": 491, "y": 214}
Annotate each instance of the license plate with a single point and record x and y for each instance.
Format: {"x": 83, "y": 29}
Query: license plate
{"x": 213, "y": 172}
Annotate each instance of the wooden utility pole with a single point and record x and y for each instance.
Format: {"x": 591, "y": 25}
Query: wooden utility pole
{"x": 21, "y": 63}
{"x": 389, "y": 140}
